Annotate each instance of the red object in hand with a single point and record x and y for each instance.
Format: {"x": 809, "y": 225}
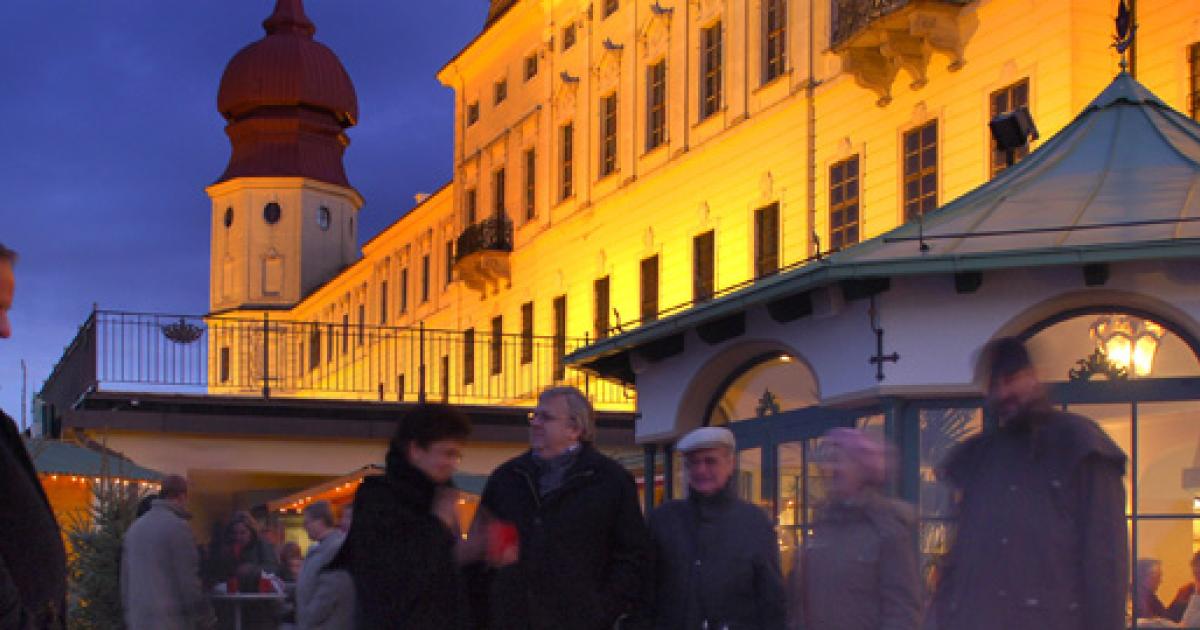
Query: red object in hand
{"x": 265, "y": 586}
{"x": 231, "y": 585}
{"x": 502, "y": 539}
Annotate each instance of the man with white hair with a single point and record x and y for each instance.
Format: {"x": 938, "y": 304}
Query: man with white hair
{"x": 582, "y": 549}
{"x": 716, "y": 556}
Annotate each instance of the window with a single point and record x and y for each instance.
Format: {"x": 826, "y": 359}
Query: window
{"x": 1194, "y": 81}
{"x": 1004, "y": 101}
{"x": 650, "y": 289}
{"x": 774, "y": 38}
{"x": 703, "y": 266}
{"x": 527, "y": 333}
{"x": 710, "y": 70}
{"x": 329, "y": 337}
{"x": 314, "y": 347}
{"x": 566, "y": 145}
{"x": 224, "y": 364}
{"x": 766, "y": 240}
{"x": 468, "y": 356}
{"x": 383, "y": 303}
{"x": 920, "y": 170}
{"x": 498, "y": 193}
{"x": 449, "y": 262}
{"x": 473, "y": 113}
{"x": 497, "y": 350}
{"x": 531, "y": 66}
{"x": 530, "y": 184}
{"x": 560, "y": 336}
{"x": 345, "y": 332}
{"x": 608, "y": 135}
{"x": 362, "y": 323}
{"x": 425, "y": 278}
{"x": 656, "y": 104}
{"x": 610, "y": 7}
{"x": 404, "y": 290}
{"x": 568, "y": 36}
{"x": 471, "y": 205}
{"x": 500, "y": 92}
{"x": 843, "y": 204}
{"x": 602, "y": 306}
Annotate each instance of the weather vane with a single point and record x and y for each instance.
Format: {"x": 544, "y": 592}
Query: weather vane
{"x": 1126, "y": 31}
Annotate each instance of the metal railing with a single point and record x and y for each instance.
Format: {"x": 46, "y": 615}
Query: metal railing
{"x": 851, "y": 16}
{"x": 493, "y": 234}
{"x": 159, "y": 353}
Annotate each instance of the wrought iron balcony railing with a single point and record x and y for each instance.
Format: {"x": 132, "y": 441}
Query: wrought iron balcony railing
{"x": 156, "y": 353}
{"x": 851, "y": 16}
{"x": 493, "y": 234}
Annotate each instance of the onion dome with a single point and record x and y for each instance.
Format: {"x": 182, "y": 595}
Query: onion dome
{"x": 288, "y": 102}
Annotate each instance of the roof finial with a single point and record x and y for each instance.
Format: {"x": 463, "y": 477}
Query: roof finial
{"x": 289, "y": 17}
{"x": 1126, "y": 32}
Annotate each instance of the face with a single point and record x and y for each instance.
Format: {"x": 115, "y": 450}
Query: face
{"x": 241, "y": 534}
{"x": 7, "y": 283}
{"x": 844, "y": 476}
{"x": 295, "y": 563}
{"x": 439, "y": 462}
{"x": 1014, "y": 393}
{"x": 551, "y": 429}
{"x": 708, "y": 469}
{"x": 315, "y": 527}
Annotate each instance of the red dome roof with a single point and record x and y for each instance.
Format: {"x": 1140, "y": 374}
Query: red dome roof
{"x": 287, "y": 68}
{"x": 288, "y": 101}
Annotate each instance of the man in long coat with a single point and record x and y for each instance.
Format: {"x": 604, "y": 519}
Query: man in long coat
{"x": 33, "y": 563}
{"x": 716, "y": 556}
{"x": 1041, "y": 540}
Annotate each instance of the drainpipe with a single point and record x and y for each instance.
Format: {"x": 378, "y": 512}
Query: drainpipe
{"x": 591, "y": 115}
{"x": 687, "y": 74}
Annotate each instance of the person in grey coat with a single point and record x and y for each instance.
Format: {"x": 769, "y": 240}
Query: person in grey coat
{"x": 324, "y": 598}
{"x": 160, "y": 567}
{"x": 716, "y": 556}
{"x": 857, "y": 569}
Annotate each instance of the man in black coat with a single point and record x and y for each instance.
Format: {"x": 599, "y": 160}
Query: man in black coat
{"x": 1041, "y": 539}
{"x": 583, "y": 548}
{"x": 716, "y": 556}
{"x": 401, "y": 548}
{"x": 33, "y": 571}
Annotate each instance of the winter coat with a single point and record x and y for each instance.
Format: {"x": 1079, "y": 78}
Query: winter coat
{"x": 160, "y": 573}
{"x": 324, "y": 598}
{"x": 1180, "y": 602}
{"x": 258, "y": 552}
{"x": 857, "y": 570}
{"x": 1041, "y": 536}
{"x": 717, "y": 560}
{"x": 584, "y": 550}
{"x": 401, "y": 556}
{"x": 33, "y": 564}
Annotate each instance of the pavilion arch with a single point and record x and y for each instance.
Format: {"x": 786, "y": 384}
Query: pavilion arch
{"x": 703, "y": 394}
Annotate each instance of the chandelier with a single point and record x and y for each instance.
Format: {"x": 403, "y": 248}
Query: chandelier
{"x": 1129, "y": 343}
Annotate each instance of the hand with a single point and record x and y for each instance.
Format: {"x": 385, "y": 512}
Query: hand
{"x": 445, "y": 507}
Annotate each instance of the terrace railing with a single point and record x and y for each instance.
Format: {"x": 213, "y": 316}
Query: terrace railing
{"x": 161, "y": 353}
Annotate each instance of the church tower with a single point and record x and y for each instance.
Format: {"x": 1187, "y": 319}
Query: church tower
{"x": 284, "y": 215}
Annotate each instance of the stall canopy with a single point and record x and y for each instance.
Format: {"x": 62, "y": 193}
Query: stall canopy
{"x": 56, "y": 457}
{"x": 342, "y": 489}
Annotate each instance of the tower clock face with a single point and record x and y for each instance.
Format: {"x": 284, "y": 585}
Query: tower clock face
{"x": 324, "y": 218}
{"x": 271, "y": 213}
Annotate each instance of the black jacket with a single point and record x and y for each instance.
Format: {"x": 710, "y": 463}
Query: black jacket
{"x": 716, "y": 560}
{"x": 401, "y": 555}
{"x": 1041, "y": 539}
{"x": 33, "y": 564}
{"x": 584, "y": 548}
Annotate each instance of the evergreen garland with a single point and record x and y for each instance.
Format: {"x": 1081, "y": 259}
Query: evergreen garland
{"x": 94, "y": 567}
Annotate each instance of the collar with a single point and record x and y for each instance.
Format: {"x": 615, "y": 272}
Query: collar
{"x": 171, "y": 507}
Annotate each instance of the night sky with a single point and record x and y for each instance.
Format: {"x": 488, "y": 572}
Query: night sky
{"x": 111, "y": 134}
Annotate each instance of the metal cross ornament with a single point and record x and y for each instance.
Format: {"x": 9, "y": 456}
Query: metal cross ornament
{"x": 880, "y": 358}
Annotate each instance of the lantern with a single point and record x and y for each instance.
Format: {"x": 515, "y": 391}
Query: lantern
{"x": 1128, "y": 342}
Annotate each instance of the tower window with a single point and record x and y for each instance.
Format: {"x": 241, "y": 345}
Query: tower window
{"x": 224, "y": 364}
{"x": 228, "y": 216}
{"x": 271, "y": 213}
{"x": 568, "y": 36}
{"x": 531, "y": 66}
{"x": 383, "y": 303}
{"x": 473, "y": 113}
{"x": 843, "y": 204}
{"x": 1004, "y": 101}
{"x": 710, "y": 70}
{"x": 404, "y": 290}
{"x": 324, "y": 218}
{"x": 920, "y": 170}
{"x": 608, "y": 135}
{"x": 501, "y": 91}
{"x": 774, "y": 38}
{"x": 362, "y": 323}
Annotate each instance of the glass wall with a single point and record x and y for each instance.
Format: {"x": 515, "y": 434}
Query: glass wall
{"x": 940, "y": 429}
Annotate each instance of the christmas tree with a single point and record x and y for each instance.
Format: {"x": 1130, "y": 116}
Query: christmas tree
{"x": 94, "y": 567}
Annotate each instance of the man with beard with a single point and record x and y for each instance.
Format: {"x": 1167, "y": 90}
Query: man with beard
{"x": 1041, "y": 539}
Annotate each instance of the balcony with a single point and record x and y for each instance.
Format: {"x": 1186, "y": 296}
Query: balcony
{"x": 482, "y": 253}
{"x": 875, "y": 39}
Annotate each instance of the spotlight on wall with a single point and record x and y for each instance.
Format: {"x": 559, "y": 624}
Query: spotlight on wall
{"x": 1013, "y": 130}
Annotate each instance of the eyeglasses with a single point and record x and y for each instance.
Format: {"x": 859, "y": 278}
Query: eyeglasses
{"x": 542, "y": 416}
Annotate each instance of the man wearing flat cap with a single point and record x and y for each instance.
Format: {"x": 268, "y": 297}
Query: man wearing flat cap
{"x": 1041, "y": 540}
{"x": 716, "y": 556}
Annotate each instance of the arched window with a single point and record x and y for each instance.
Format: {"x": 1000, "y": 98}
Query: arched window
{"x": 1109, "y": 344}
{"x": 764, "y": 386}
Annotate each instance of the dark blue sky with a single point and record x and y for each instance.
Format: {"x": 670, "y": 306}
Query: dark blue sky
{"x": 111, "y": 135}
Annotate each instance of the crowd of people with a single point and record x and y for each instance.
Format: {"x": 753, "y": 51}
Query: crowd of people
{"x": 559, "y": 541}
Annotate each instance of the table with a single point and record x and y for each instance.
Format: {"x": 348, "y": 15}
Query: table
{"x": 237, "y": 599}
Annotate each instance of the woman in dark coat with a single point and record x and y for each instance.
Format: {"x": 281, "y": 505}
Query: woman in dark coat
{"x": 240, "y": 545}
{"x": 858, "y": 569}
{"x": 401, "y": 546}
